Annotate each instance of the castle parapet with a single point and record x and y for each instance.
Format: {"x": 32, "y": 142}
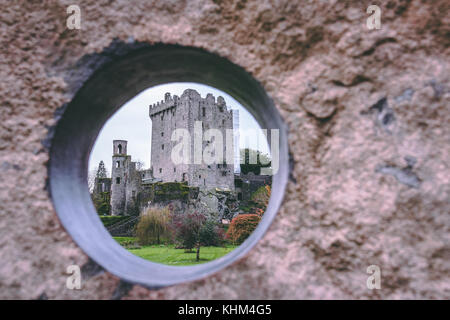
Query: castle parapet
{"x": 167, "y": 103}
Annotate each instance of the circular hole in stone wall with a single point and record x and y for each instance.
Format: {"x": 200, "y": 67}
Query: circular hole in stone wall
{"x": 151, "y": 191}
{"x": 181, "y": 174}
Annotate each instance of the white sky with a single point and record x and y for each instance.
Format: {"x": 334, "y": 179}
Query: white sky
{"x": 132, "y": 123}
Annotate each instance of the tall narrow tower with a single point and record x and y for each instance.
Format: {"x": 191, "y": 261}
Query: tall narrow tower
{"x": 118, "y": 177}
{"x": 237, "y": 157}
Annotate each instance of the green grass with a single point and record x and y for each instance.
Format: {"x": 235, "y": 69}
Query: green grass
{"x": 167, "y": 254}
{"x": 123, "y": 240}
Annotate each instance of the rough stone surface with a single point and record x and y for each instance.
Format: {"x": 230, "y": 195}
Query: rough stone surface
{"x": 327, "y": 75}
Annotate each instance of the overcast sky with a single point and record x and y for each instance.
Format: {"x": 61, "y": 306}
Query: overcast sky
{"x": 132, "y": 123}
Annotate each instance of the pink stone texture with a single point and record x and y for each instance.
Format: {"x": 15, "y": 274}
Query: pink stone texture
{"x": 368, "y": 113}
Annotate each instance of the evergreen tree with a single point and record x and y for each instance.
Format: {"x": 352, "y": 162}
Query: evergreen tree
{"x": 101, "y": 171}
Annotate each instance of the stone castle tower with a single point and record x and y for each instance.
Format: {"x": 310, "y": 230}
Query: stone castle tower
{"x": 125, "y": 180}
{"x": 131, "y": 187}
{"x": 118, "y": 176}
{"x": 186, "y": 112}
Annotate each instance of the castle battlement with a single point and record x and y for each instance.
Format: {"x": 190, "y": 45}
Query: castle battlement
{"x": 168, "y": 103}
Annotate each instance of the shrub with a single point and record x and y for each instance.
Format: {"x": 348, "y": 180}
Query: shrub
{"x": 242, "y": 226}
{"x": 101, "y": 203}
{"x": 193, "y": 230}
{"x": 153, "y": 226}
{"x": 261, "y": 197}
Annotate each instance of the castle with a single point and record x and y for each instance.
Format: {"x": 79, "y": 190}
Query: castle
{"x": 186, "y": 112}
{"x": 201, "y": 121}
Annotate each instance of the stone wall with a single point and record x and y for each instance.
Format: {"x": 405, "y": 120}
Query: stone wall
{"x": 356, "y": 101}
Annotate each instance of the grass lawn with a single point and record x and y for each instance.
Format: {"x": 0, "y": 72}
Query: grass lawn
{"x": 123, "y": 240}
{"x": 167, "y": 254}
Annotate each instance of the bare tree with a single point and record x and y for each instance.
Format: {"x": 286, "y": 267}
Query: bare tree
{"x": 91, "y": 179}
{"x": 140, "y": 165}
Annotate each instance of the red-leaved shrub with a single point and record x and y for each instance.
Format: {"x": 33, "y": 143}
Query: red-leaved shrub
{"x": 242, "y": 226}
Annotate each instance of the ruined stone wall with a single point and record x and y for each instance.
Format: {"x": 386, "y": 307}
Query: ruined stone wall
{"x": 356, "y": 101}
{"x": 132, "y": 189}
{"x": 102, "y": 185}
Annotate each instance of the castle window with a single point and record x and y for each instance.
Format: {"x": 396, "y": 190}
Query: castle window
{"x": 162, "y": 134}
{"x": 120, "y": 148}
{"x": 224, "y": 173}
{"x": 162, "y": 117}
{"x": 162, "y": 147}
{"x": 117, "y": 164}
{"x": 204, "y": 111}
{"x": 118, "y": 180}
{"x": 199, "y": 177}
{"x": 174, "y": 169}
{"x": 133, "y": 194}
{"x": 160, "y": 170}
{"x": 223, "y": 122}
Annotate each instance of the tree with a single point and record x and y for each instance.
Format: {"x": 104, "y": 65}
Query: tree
{"x": 100, "y": 198}
{"x": 153, "y": 226}
{"x": 253, "y": 160}
{"x": 193, "y": 230}
{"x": 211, "y": 234}
{"x": 102, "y": 205}
{"x": 91, "y": 180}
{"x": 101, "y": 171}
{"x": 140, "y": 165}
{"x": 260, "y": 198}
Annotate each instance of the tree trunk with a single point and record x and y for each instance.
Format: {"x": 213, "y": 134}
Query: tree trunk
{"x": 198, "y": 251}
